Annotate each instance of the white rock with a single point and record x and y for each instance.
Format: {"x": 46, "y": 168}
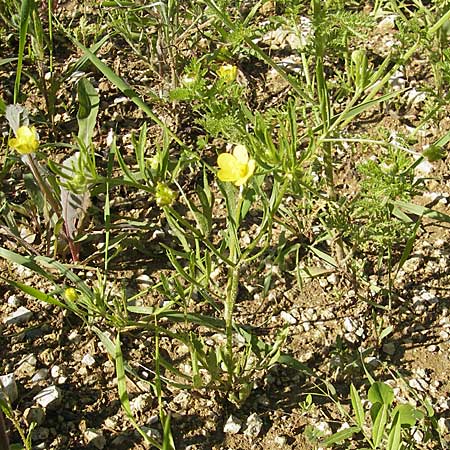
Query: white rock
{"x": 49, "y": 397}
{"x": 21, "y": 315}
{"x": 55, "y": 371}
{"x": 40, "y": 375}
{"x": 349, "y": 324}
{"x": 324, "y": 427}
{"x": 444, "y": 425}
{"x": 416, "y": 384}
{"x": 280, "y": 441}
{"x": 141, "y": 403}
{"x": 26, "y": 366}
{"x": 418, "y": 436}
{"x": 288, "y": 318}
{"x": 13, "y": 301}
{"x": 74, "y": 336}
{"x": 387, "y": 23}
{"x": 8, "y": 383}
{"x": 95, "y": 438}
{"x": 253, "y": 425}
{"x": 88, "y": 360}
{"x": 152, "y": 433}
{"x": 233, "y": 425}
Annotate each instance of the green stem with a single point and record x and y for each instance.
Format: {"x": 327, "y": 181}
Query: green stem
{"x": 233, "y": 284}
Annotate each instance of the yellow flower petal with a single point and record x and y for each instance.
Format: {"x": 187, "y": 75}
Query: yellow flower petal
{"x": 230, "y": 169}
{"x": 25, "y": 141}
{"x": 235, "y": 167}
{"x": 241, "y": 154}
{"x": 250, "y": 168}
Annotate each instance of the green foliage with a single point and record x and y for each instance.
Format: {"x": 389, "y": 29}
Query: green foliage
{"x": 390, "y": 427}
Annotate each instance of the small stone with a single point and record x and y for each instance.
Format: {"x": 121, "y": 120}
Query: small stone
{"x": 332, "y": 279}
{"x": 40, "y": 375}
{"x": 152, "y": 433}
{"x": 432, "y": 348}
{"x": 49, "y": 397}
{"x": 21, "y": 315}
{"x": 141, "y": 403}
{"x": 111, "y": 422}
{"x": 418, "y": 436}
{"x": 26, "y": 367}
{"x": 34, "y": 414}
{"x": 55, "y": 371}
{"x": 288, "y": 318}
{"x": 349, "y": 325}
{"x": 280, "y": 441}
{"x": 389, "y": 348}
{"x": 88, "y": 360}
{"x": 95, "y": 438}
{"x": 416, "y": 384}
{"x": 182, "y": 399}
{"x": 444, "y": 425}
{"x": 8, "y": 382}
{"x": 13, "y": 301}
{"x": 253, "y": 426}
{"x": 74, "y": 336}
{"x": 233, "y": 425}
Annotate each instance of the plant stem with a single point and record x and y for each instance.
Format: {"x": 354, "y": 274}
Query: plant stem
{"x": 233, "y": 284}
{"x": 4, "y": 441}
{"x": 45, "y": 188}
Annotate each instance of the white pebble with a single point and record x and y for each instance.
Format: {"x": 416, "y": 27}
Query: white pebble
{"x": 253, "y": 426}
{"x": 88, "y": 360}
{"x": 8, "y": 383}
{"x": 232, "y": 426}
{"x": 288, "y": 318}
{"x": 95, "y": 438}
{"x": 21, "y": 315}
{"x": 48, "y": 397}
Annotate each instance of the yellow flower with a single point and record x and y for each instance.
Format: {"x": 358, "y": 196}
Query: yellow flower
{"x": 227, "y": 72}
{"x": 71, "y": 294}
{"x": 236, "y": 167}
{"x": 25, "y": 141}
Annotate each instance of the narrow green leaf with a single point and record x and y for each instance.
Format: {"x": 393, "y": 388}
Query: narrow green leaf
{"x": 123, "y": 393}
{"x": 395, "y": 435}
{"x": 357, "y": 406}
{"x": 25, "y": 13}
{"x": 25, "y": 261}
{"x": 422, "y": 211}
{"x": 88, "y": 100}
{"x": 340, "y": 436}
{"x": 379, "y": 426}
